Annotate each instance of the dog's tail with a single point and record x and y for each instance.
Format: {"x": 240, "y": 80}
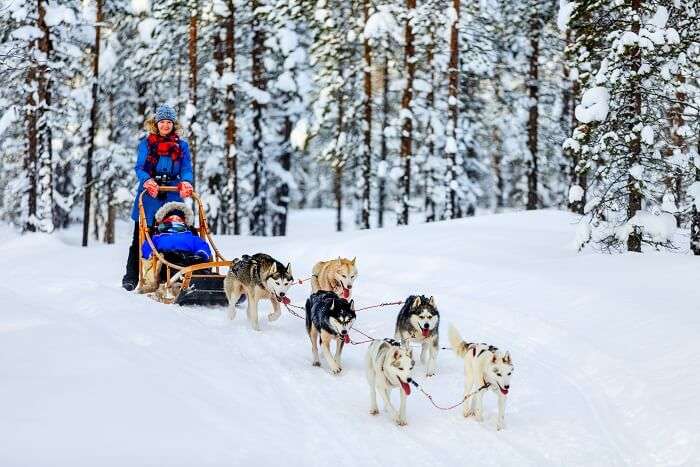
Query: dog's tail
{"x": 458, "y": 345}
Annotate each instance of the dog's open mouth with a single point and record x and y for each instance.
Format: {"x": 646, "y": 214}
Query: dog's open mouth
{"x": 426, "y": 332}
{"x": 503, "y": 390}
{"x": 346, "y": 338}
{"x": 406, "y": 387}
{"x": 346, "y": 293}
{"x": 284, "y": 299}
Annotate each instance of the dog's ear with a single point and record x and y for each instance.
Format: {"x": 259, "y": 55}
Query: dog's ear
{"x": 416, "y": 302}
{"x": 397, "y": 354}
{"x": 506, "y": 358}
{"x": 493, "y": 360}
{"x": 332, "y": 304}
{"x": 432, "y": 302}
{"x": 353, "y": 260}
{"x": 352, "y": 304}
{"x": 289, "y": 268}
{"x": 273, "y": 269}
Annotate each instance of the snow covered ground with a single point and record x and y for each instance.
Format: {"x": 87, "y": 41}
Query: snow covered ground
{"x": 605, "y": 347}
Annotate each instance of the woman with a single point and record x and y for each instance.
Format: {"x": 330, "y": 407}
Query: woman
{"x": 163, "y": 159}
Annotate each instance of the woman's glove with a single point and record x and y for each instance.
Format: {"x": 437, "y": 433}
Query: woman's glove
{"x": 151, "y": 187}
{"x": 185, "y": 189}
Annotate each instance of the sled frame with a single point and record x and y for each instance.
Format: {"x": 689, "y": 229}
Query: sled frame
{"x": 178, "y": 278}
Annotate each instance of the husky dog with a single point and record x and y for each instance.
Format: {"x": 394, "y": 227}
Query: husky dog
{"x": 418, "y": 322}
{"x": 328, "y": 318}
{"x": 484, "y": 365}
{"x": 259, "y": 276}
{"x": 336, "y": 275}
{"x": 389, "y": 365}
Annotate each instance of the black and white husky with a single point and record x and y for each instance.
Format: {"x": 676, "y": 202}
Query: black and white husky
{"x": 418, "y": 322}
{"x": 329, "y": 318}
{"x": 389, "y": 366}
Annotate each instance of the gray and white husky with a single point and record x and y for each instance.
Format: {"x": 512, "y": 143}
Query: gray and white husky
{"x": 329, "y": 318}
{"x": 389, "y": 365}
{"x": 257, "y": 277}
{"x": 484, "y": 365}
{"x": 418, "y": 322}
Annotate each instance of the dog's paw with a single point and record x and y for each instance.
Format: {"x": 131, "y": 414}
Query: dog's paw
{"x": 499, "y": 426}
{"x": 401, "y": 421}
{"x": 274, "y": 316}
{"x": 469, "y": 413}
{"x": 231, "y": 313}
{"x": 316, "y": 364}
{"x": 336, "y": 370}
{"x": 374, "y": 411}
{"x": 430, "y": 373}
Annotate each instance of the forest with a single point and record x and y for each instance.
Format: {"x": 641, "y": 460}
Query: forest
{"x": 398, "y": 112}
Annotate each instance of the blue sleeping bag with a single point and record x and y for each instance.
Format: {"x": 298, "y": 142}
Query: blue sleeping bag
{"x": 180, "y": 242}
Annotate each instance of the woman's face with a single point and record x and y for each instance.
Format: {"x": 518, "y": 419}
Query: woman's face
{"x": 165, "y": 127}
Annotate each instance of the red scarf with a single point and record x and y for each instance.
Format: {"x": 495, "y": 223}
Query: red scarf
{"x": 160, "y": 146}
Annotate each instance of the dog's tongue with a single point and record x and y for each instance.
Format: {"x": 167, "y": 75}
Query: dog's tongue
{"x": 504, "y": 391}
{"x": 406, "y": 387}
{"x": 346, "y": 338}
{"x": 346, "y": 293}
{"x": 285, "y": 300}
{"x": 426, "y": 332}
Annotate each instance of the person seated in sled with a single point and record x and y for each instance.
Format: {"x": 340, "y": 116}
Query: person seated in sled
{"x": 163, "y": 159}
{"x": 174, "y": 238}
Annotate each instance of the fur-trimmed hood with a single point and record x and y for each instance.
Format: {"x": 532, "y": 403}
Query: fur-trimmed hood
{"x": 172, "y": 206}
{"x": 151, "y": 127}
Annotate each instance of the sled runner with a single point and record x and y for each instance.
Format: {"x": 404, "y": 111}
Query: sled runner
{"x": 173, "y": 277}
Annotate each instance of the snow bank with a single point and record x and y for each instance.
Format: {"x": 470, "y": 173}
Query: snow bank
{"x": 93, "y": 375}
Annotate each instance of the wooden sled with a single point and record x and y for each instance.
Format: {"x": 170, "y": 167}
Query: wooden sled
{"x": 198, "y": 284}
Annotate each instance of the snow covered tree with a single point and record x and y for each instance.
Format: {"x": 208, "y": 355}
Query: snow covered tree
{"x": 624, "y": 205}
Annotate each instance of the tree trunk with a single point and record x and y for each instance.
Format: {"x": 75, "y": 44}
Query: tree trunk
{"x": 406, "y": 115}
{"x": 695, "y": 221}
{"x": 533, "y": 117}
{"x": 675, "y": 179}
{"x": 367, "y": 144}
{"x": 453, "y": 111}
{"x": 571, "y": 96}
{"x": 338, "y": 193}
{"x": 29, "y": 165}
{"x": 338, "y": 169}
{"x": 279, "y": 223}
{"x": 214, "y": 180}
{"x": 45, "y": 207}
{"x": 192, "y": 50}
{"x": 634, "y": 203}
{"x": 259, "y": 211}
{"x": 231, "y": 156}
{"x": 383, "y": 149}
{"x": 93, "y": 123}
{"x": 430, "y": 208}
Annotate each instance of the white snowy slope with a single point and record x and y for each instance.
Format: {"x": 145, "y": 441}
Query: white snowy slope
{"x": 605, "y": 347}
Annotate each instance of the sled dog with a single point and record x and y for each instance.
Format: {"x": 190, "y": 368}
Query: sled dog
{"x": 389, "y": 365}
{"x": 336, "y": 275}
{"x": 257, "y": 277}
{"x": 484, "y": 365}
{"x": 329, "y": 318}
{"x": 418, "y": 322}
